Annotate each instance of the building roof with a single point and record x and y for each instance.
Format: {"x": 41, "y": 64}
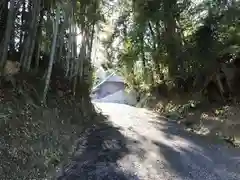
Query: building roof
{"x": 111, "y": 78}
{"x": 115, "y": 78}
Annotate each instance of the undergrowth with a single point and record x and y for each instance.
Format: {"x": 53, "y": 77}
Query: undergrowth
{"x": 200, "y": 116}
{"x": 36, "y": 140}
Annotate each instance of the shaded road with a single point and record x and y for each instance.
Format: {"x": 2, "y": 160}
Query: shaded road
{"x": 136, "y": 144}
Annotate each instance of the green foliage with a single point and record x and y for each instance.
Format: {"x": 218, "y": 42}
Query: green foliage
{"x": 172, "y": 38}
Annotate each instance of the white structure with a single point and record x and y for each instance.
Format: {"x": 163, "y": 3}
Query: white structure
{"x": 112, "y": 89}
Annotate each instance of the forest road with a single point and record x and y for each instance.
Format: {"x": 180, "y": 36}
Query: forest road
{"x": 137, "y": 144}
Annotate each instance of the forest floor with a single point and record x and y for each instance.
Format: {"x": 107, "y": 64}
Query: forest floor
{"x": 200, "y": 116}
{"x": 36, "y": 140}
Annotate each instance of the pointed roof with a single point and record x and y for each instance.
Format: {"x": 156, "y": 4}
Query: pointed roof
{"x": 115, "y": 78}
{"x": 111, "y": 78}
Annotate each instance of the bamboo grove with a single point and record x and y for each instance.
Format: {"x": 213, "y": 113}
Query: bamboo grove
{"x": 41, "y": 34}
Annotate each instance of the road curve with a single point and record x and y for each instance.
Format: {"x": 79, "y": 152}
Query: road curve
{"x": 136, "y": 144}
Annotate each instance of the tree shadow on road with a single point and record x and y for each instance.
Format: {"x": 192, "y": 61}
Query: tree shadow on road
{"x": 192, "y": 156}
{"x": 97, "y": 154}
{"x": 186, "y": 155}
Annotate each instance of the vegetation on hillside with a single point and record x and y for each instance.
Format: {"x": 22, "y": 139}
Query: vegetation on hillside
{"x": 46, "y": 76}
{"x": 189, "y": 43}
{"x": 178, "y": 50}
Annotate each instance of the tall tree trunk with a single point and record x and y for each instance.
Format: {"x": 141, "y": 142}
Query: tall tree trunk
{"x": 4, "y": 45}
{"x": 22, "y": 25}
{"x": 33, "y": 32}
{"x": 172, "y": 41}
{"x": 61, "y": 39}
{"x": 39, "y": 40}
{"x": 12, "y": 37}
{"x": 53, "y": 48}
{"x": 155, "y": 53}
{"x": 3, "y": 18}
{"x": 143, "y": 54}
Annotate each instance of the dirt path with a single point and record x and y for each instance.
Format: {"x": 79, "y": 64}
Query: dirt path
{"x": 136, "y": 144}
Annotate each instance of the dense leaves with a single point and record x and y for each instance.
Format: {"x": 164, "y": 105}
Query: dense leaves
{"x": 177, "y": 39}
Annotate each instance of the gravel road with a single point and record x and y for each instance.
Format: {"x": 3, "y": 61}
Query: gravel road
{"x": 136, "y": 144}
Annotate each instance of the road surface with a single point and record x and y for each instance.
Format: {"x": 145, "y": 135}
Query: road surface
{"x": 136, "y": 144}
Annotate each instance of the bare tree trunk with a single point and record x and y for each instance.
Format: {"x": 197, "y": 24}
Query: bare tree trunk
{"x": 172, "y": 40}
{"x": 155, "y": 53}
{"x": 32, "y": 34}
{"x": 39, "y": 40}
{"x": 3, "y": 18}
{"x": 142, "y": 53}
{"x": 68, "y": 73}
{"x": 12, "y": 38}
{"x": 61, "y": 39}
{"x": 53, "y": 48}
{"x": 4, "y": 45}
{"x": 22, "y": 24}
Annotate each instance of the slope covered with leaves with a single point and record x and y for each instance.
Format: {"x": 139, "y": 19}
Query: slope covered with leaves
{"x": 46, "y": 75}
